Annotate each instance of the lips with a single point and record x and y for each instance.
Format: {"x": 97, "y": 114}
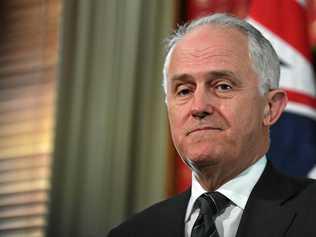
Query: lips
{"x": 207, "y": 128}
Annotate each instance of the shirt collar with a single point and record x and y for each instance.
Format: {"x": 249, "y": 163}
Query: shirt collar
{"x": 237, "y": 189}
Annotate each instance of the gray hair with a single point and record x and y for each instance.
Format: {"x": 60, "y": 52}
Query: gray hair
{"x": 264, "y": 59}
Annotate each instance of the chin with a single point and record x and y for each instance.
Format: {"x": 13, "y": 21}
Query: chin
{"x": 200, "y": 161}
{"x": 203, "y": 151}
{"x": 200, "y": 154}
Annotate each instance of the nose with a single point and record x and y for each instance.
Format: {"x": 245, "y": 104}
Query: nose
{"x": 200, "y": 114}
{"x": 201, "y": 104}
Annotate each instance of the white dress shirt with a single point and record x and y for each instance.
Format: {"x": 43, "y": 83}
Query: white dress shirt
{"x": 236, "y": 190}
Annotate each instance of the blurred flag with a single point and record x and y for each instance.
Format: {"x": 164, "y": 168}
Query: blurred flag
{"x": 285, "y": 24}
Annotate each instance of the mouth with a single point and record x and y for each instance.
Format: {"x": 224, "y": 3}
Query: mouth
{"x": 201, "y": 129}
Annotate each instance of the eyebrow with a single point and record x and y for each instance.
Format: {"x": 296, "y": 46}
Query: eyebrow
{"x": 212, "y": 75}
{"x": 222, "y": 73}
{"x": 181, "y": 77}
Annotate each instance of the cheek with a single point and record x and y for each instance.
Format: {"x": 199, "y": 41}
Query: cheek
{"x": 174, "y": 121}
{"x": 172, "y": 117}
{"x": 177, "y": 116}
{"x": 243, "y": 117}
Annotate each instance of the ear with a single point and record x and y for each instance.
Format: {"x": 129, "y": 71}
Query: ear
{"x": 276, "y": 102}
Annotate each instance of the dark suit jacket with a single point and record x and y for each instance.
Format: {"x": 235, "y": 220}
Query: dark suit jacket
{"x": 278, "y": 206}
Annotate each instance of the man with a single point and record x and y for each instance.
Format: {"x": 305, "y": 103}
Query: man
{"x": 221, "y": 81}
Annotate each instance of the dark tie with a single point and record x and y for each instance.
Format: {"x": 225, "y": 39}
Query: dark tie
{"x": 210, "y": 204}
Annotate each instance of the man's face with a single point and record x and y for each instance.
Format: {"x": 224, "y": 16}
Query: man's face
{"x": 215, "y": 108}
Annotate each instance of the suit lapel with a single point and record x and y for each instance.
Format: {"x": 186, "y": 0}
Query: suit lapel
{"x": 267, "y": 212}
{"x": 173, "y": 214}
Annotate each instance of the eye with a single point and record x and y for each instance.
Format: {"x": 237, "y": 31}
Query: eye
{"x": 223, "y": 87}
{"x": 183, "y": 90}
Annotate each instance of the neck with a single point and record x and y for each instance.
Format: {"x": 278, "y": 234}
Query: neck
{"x": 214, "y": 176}
{"x": 216, "y": 172}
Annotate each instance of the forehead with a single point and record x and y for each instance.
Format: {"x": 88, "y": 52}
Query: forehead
{"x": 208, "y": 46}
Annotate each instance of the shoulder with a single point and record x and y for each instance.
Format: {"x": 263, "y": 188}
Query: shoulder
{"x": 297, "y": 191}
{"x": 284, "y": 203}
{"x": 277, "y": 181}
{"x": 302, "y": 187}
{"x": 303, "y": 204}
{"x": 275, "y": 187}
{"x": 306, "y": 192}
{"x": 153, "y": 217}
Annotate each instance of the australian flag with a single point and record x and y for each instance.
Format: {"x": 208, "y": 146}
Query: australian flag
{"x": 285, "y": 24}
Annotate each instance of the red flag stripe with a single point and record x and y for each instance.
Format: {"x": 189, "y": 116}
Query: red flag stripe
{"x": 301, "y": 98}
{"x": 285, "y": 18}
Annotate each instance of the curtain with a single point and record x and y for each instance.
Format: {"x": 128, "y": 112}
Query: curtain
{"x": 111, "y": 135}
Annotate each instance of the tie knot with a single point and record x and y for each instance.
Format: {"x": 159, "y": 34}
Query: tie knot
{"x": 212, "y": 203}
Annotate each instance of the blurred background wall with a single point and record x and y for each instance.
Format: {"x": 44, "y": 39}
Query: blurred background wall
{"x": 84, "y": 139}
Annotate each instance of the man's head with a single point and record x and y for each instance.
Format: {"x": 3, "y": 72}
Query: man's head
{"x": 264, "y": 59}
{"x": 221, "y": 82}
